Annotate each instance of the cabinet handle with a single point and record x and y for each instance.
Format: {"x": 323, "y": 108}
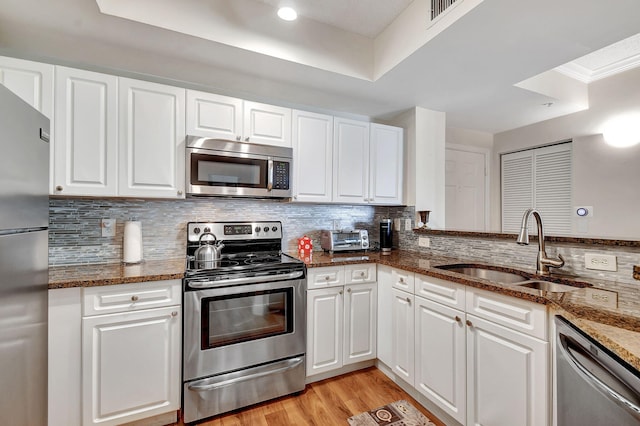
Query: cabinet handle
{"x": 340, "y": 292}
{"x": 348, "y": 290}
{"x": 179, "y": 192}
{"x": 134, "y": 298}
{"x": 362, "y": 274}
{"x": 458, "y": 319}
{"x": 401, "y": 280}
{"x": 326, "y": 278}
{"x": 59, "y": 188}
{"x": 469, "y": 323}
{"x": 174, "y": 313}
{"x": 408, "y": 301}
{"x": 237, "y": 138}
{"x": 246, "y": 139}
{"x": 295, "y": 197}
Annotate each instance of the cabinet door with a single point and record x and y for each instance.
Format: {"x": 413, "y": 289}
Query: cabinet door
{"x": 440, "y": 356}
{"x": 86, "y": 133}
{"x": 359, "y": 323}
{"x": 33, "y": 83}
{"x": 324, "y": 330}
{"x": 385, "y": 315}
{"x": 386, "y": 154}
{"x": 313, "y": 156}
{"x": 267, "y": 124}
{"x": 214, "y": 116}
{"x": 152, "y": 139}
{"x": 131, "y": 365}
{"x": 403, "y": 335}
{"x": 350, "y": 161}
{"x": 507, "y": 376}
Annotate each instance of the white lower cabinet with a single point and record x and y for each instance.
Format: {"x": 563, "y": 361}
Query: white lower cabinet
{"x": 341, "y": 317}
{"x": 130, "y": 352}
{"x": 483, "y": 362}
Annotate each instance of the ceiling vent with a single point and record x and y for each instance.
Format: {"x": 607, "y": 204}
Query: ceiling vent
{"x": 439, "y": 6}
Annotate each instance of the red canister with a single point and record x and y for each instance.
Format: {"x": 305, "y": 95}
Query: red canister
{"x": 305, "y": 249}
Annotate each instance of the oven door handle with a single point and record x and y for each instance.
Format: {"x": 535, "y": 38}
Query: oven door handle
{"x": 199, "y": 284}
{"x": 207, "y": 385}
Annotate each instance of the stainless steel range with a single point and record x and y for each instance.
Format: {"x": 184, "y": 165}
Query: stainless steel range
{"x": 244, "y": 320}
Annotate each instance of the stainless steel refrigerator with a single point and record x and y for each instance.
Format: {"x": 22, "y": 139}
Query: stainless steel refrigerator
{"x": 24, "y": 222}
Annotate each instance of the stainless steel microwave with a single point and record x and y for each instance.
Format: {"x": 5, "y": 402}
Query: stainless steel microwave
{"x": 236, "y": 169}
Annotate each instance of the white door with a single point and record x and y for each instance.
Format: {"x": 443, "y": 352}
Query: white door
{"x": 312, "y": 156}
{"x": 359, "y": 323}
{"x": 506, "y": 376}
{"x": 403, "y": 328}
{"x": 131, "y": 365}
{"x": 350, "y": 161}
{"x": 267, "y": 124}
{"x": 324, "y": 330}
{"x": 152, "y": 140}
{"x": 441, "y": 356}
{"x": 385, "y": 315}
{"x": 214, "y": 116}
{"x": 386, "y": 153}
{"x": 86, "y": 133}
{"x": 33, "y": 83}
{"x": 465, "y": 193}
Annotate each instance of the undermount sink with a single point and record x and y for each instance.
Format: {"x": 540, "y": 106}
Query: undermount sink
{"x": 551, "y": 287}
{"x": 485, "y": 273}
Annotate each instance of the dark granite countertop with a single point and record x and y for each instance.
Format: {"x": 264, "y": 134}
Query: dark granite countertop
{"x": 616, "y": 328}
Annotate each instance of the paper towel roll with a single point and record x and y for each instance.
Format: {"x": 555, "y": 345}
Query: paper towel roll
{"x": 132, "y": 244}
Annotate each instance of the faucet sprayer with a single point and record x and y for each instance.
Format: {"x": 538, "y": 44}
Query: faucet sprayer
{"x": 543, "y": 262}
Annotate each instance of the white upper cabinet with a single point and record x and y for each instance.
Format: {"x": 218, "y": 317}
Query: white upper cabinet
{"x": 223, "y": 117}
{"x": 86, "y": 133}
{"x": 151, "y": 139}
{"x": 368, "y": 163}
{"x": 267, "y": 124}
{"x": 33, "y": 83}
{"x": 214, "y": 116}
{"x": 350, "y": 161}
{"x": 313, "y": 156}
{"x": 386, "y": 164}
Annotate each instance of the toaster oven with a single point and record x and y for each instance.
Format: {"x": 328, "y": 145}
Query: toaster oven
{"x": 353, "y": 240}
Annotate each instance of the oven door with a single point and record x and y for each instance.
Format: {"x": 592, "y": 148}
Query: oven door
{"x": 229, "y": 328}
{"x": 211, "y": 172}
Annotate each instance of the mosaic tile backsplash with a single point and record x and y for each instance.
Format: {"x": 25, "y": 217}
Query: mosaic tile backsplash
{"x": 75, "y": 233}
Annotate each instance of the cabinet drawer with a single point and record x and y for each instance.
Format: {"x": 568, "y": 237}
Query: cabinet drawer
{"x": 403, "y": 280}
{"x": 521, "y": 315}
{"x": 361, "y": 273}
{"x": 329, "y": 276}
{"x": 445, "y": 292}
{"x": 130, "y": 297}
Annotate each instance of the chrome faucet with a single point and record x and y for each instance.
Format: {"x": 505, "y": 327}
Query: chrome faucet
{"x": 543, "y": 263}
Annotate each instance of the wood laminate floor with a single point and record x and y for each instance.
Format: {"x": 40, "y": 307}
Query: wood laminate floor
{"x": 329, "y": 402}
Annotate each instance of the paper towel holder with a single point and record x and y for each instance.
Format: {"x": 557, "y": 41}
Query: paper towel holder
{"x": 132, "y": 248}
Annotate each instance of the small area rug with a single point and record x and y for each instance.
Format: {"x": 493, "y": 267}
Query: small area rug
{"x": 399, "y": 413}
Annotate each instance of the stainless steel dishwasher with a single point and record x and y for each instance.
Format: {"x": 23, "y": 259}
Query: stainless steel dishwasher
{"x": 594, "y": 387}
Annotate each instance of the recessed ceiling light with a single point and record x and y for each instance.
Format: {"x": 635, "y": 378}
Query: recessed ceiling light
{"x": 287, "y": 13}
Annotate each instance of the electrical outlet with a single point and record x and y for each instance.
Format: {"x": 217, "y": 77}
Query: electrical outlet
{"x": 397, "y": 224}
{"x": 424, "y": 242}
{"x": 608, "y": 299}
{"x": 600, "y": 262}
{"x": 407, "y": 224}
{"x": 108, "y": 227}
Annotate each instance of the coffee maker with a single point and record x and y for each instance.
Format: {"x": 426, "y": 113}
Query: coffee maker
{"x": 386, "y": 239}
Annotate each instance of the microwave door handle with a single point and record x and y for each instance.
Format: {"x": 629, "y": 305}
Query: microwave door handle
{"x": 270, "y": 175}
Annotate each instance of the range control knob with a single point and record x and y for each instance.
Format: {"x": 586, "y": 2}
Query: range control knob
{"x": 265, "y": 229}
{"x": 207, "y": 229}
{"x": 257, "y": 229}
{"x": 196, "y": 230}
{"x": 274, "y": 229}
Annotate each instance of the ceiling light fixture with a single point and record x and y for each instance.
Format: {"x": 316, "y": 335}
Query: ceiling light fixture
{"x": 287, "y": 13}
{"x": 622, "y": 131}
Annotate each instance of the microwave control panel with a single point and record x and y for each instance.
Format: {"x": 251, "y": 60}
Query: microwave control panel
{"x": 280, "y": 175}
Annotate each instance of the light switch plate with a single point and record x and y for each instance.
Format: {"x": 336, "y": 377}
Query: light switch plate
{"x": 407, "y": 224}
{"x": 424, "y": 242}
{"x": 397, "y": 224}
{"x": 604, "y": 298}
{"x": 108, "y": 227}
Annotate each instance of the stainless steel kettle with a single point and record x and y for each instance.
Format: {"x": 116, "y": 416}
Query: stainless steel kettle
{"x": 207, "y": 255}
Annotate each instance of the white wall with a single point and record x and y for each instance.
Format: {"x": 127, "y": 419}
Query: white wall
{"x": 605, "y": 177}
{"x": 475, "y": 138}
